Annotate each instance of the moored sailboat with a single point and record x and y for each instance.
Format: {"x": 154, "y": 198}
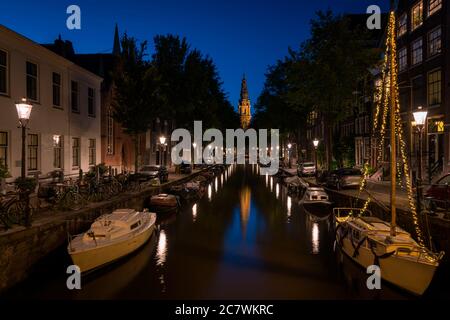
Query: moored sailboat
{"x": 403, "y": 261}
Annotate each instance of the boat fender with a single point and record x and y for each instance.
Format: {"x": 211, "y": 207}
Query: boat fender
{"x": 356, "y": 249}
{"x": 340, "y": 241}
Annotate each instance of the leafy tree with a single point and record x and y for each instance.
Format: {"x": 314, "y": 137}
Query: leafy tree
{"x": 137, "y": 90}
{"x": 337, "y": 58}
{"x": 191, "y": 86}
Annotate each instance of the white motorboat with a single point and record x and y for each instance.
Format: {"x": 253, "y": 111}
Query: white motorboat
{"x": 111, "y": 236}
{"x": 316, "y": 202}
{"x": 367, "y": 240}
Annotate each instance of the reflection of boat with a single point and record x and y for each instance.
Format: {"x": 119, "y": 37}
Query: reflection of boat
{"x": 164, "y": 202}
{"x": 110, "y": 281}
{"x": 111, "y": 237}
{"x": 316, "y": 202}
{"x": 367, "y": 241}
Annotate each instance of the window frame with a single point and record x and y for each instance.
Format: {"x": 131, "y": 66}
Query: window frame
{"x": 72, "y": 92}
{"x": 5, "y": 148}
{"x": 435, "y": 9}
{"x": 32, "y": 151}
{"x": 429, "y": 54}
{"x": 6, "y": 67}
{"x": 59, "y": 86}
{"x": 76, "y": 152}
{"x": 413, "y": 51}
{"x": 91, "y": 101}
{"x": 428, "y": 87}
{"x": 417, "y": 4}
{"x": 405, "y": 49}
{"x": 92, "y": 152}
{"x": 35, "y": 77}
{"x": 401, "y": 31}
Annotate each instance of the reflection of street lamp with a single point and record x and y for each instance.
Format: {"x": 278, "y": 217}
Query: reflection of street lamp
{"x": 24, "y": 113}
{"x": 316, "y": 145}
{"x": 420, "y": 117}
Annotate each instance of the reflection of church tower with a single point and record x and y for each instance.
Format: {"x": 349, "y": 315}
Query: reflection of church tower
{"x": 245, "y": 208}
{"x": 244, "y": 105}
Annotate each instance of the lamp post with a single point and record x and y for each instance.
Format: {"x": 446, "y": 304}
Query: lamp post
{"x": 194, "y": 154}
{"x": 24, "y": 112}
{"x": 420, "y": 117}
{"x": 289, "y": 154}
{"x": 162, "y": 143}
{"x": 316, "y": 145}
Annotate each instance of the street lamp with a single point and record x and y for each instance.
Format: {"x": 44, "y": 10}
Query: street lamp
{"x": 289, "y": 154}
{"x": 316, "y": 145}
{"x": 162, "y": 143}
{"x": 24, "y": 112}
{"x": 420, "y": 117}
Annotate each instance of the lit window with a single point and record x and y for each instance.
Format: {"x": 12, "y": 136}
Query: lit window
{"x": 416, "y": 16}
{"x": 402, "y": 59}
{"x": 434, "y": 6}
{"x": 434, "y": 42}
{"x": 416, "y": 53}
{"x": 434, "y": 88}
{"x": 440, "y": 126}
{"x": 402, "y": 25}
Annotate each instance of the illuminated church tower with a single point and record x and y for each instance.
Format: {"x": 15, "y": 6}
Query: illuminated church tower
{"x": 244, "y": 105}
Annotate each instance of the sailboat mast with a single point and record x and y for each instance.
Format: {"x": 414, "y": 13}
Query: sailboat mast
{"x": 392, "y": 89}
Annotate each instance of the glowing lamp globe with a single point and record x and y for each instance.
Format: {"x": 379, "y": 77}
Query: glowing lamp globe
{"x": 420, "y": 116}
{"x": 316, "y": 143}
{"x": 24, "y": 110}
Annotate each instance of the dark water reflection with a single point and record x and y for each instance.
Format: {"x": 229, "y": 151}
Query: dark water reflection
{"x": 247, "y": 238}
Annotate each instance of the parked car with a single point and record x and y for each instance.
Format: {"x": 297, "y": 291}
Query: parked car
{"x": 155, "y": 172}
{"x": 185, "y": 168}
{"x": 439, "y": 193}
{"x": 344, "y": 178}
{"x": 306, "y": 169}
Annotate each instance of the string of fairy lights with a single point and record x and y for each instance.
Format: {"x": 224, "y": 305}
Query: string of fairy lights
{"x": 383, "y": 102}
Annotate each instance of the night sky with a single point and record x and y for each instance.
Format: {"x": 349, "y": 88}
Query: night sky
{"x": 240, "y": 35}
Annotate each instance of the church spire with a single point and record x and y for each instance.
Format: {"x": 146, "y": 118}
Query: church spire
{"x": 244, "y": 90}
{"x": 116, "y": 48}
{"x": 244, "y": 105}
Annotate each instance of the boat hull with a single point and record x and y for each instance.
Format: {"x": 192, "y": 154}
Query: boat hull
{"x": 317, "y": 208}
{"x": 100, "y": 256}
{"x": 407, "y": 274}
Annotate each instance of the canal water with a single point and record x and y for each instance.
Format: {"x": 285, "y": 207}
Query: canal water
{"x": 246, "y": 239}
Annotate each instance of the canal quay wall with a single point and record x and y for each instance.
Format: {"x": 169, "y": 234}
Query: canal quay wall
{"x": 21, "y": 248}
